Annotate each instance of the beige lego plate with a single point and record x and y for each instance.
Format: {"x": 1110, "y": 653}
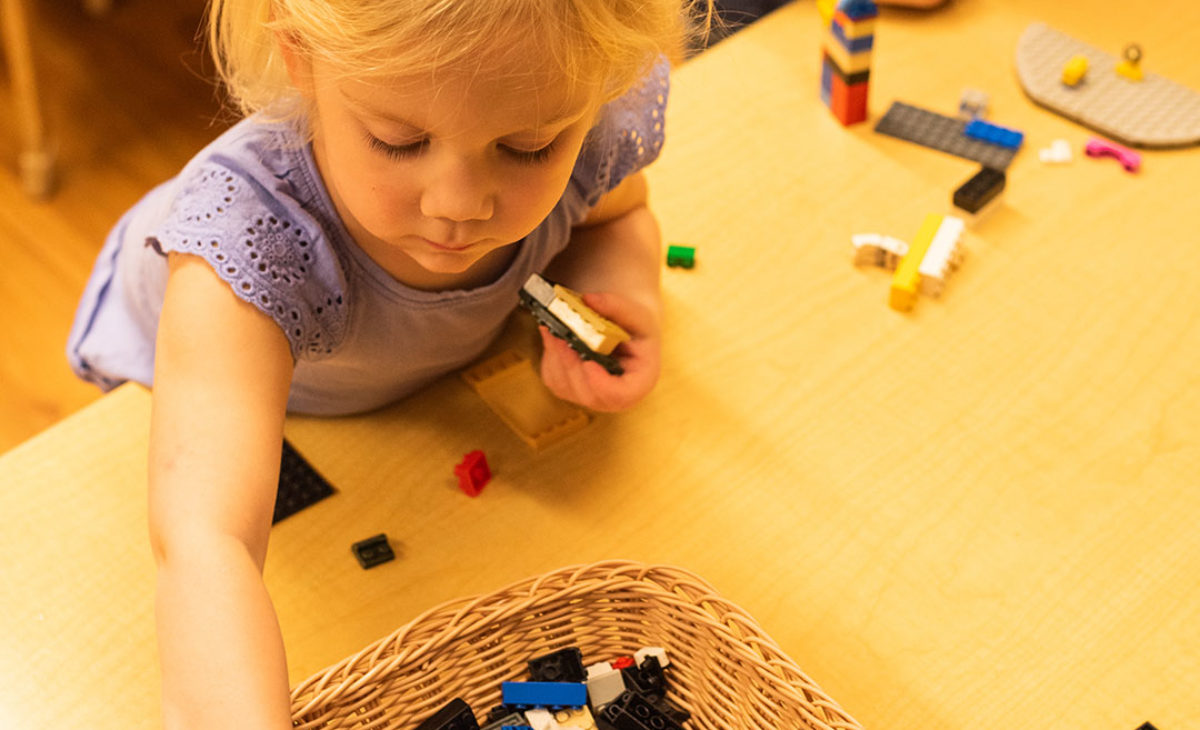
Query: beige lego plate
{"x": 1153, "y": 112}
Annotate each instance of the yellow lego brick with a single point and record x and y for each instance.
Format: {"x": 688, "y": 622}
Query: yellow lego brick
{"x": 907, "y": 278}
{"x": 600, "y": 334}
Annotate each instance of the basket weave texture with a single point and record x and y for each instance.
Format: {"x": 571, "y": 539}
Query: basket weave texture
{"x": 724, "y": 669}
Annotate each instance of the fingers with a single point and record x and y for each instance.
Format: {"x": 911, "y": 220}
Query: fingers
{"x": 589, "y": 384}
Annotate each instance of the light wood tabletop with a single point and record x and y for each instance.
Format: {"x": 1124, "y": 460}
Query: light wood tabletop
{"x": 981, "y": 514}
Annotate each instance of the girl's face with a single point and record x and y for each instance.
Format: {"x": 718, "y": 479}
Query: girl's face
{"x": 434, "y": 175}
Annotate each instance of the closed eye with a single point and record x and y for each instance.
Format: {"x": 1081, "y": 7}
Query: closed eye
{"x": 531, "y": 157}
{"x": 396, "y": 151}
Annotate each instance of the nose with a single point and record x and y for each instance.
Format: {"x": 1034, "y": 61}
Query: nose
{"x": 458, "y": 190}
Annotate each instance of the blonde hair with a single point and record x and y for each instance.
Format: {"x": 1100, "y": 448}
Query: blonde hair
{"x": 609, "y": 44}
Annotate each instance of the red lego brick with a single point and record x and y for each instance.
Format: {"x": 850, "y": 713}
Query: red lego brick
{"x": 473, "y": 473}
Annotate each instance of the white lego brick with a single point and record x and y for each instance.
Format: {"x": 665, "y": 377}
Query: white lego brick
{"x": 942, "y": 256}
{"x": 1058, "y": 152}
{"x": 541, "y": 719}
{"x": 604, "y": 684}
{"x": 572, "y": 319}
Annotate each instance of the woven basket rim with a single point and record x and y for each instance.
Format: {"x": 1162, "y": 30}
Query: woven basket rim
{"x": 557, "y": 596}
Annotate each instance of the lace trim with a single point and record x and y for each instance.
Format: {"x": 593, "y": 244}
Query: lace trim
{"x": 267, "y": 260}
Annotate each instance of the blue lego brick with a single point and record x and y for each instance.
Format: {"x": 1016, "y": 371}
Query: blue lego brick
{"x": 994, "y": 133}
{"x": 853, "y": 45}
{"x": 826, "y": 78}
{"x": 516, "y": 727}
{"x": 543, "y": 694}
{"x": 858, "y": 9}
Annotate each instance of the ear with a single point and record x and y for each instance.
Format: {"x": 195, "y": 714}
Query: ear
{"x": 299, "y": 67}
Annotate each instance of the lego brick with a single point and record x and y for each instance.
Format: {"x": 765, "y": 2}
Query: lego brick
{"x": 1129, "y": 159}
{"x": 979, "y": 190}
{"x": 564, "y": 665}
{"x": 850, "y": 38}
{"x": 994, "y": 133}
{"x": 511, "y": 388}
{"x": 565, "y": 315}
{"x": 455, "y": 715}
{"x": 683, "y": 257}
{"x": 652, "y": 651}
{"x": 858, "y": 9}
{"x": 631, "y": 711}
{"x": 300, "y": 485}
{"x": 541, "y": 719}
{"x": 576, "y": 718}
{"x": 849, "y": 79}
{"x": 973, "y": 104}
{"x": 940, "y": 132}
{"x": 854, "y": 27}
{"x": 872, "y": 249}
{"x": 903, "y": 294}
{"x": 847, "y": 62}
{"x": 1057, "y": 153}
{"x": 646, "y": 679}
{"x": 373, "y": 551}
{"x": 543, "y": 694}
{"x": 943, "y": 256}
{"x": 1155, "y": 112}
{"x": 473, "y": 473}
{"x": 604, "y": 684}
{"x": 509, "y": 720}
{"x": 849, "y": 103}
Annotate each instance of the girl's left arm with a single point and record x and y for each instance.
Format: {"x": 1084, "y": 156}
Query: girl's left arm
{"x": 614, "y": 261}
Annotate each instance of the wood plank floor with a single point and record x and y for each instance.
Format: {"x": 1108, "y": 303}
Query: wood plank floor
{"x": 128, "y": 99}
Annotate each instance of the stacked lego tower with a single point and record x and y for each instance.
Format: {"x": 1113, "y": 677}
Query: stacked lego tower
{"x": 846, "y": 59}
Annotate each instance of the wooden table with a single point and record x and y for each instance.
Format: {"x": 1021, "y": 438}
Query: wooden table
{"x": 980, "y": 515}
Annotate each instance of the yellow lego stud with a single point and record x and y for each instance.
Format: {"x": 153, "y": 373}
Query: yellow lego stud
{"x": 907, "y": 279}
{"x": 1074, "y": 69}
{"x": 1131, "y": 66}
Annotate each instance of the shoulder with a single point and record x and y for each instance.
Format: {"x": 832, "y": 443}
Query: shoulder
{"x": 627, "y": 136}
{"x": 235, "y": 208}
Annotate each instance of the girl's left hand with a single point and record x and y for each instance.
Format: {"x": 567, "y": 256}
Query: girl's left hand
{"x": 587, "y": 383}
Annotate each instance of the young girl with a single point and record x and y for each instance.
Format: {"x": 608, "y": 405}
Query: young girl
{"x": 403, "y": 167}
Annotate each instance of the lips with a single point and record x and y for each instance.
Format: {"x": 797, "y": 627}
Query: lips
{"x": 448, "y": 246}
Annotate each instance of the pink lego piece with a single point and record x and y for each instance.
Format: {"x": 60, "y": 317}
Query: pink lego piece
{"x": 1129, "y": 159}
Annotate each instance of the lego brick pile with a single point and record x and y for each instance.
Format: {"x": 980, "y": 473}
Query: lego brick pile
{"x": 627, "y": 693}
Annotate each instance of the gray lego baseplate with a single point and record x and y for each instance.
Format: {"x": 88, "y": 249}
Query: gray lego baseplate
{"x": 1153, "y": 112}
{"x": 941, "y": 132}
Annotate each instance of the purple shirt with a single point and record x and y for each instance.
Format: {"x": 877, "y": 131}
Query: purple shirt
{"x": 253, "y": 205}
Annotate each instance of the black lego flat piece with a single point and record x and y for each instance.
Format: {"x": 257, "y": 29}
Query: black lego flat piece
{"x": 943, "y": 133}
{"x": 299, "y": 484}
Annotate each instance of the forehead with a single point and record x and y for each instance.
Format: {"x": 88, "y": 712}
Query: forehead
{"x": 481, "y": 97}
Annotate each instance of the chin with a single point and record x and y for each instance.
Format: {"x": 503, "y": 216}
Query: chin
{"x": 447, "y": 263}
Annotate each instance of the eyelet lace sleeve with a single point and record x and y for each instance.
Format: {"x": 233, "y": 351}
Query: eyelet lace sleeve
{"x": 266, "y": 248}
{"x": 628, "y": 136}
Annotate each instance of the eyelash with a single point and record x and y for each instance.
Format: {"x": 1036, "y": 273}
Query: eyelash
{"x": 405, "y": 151}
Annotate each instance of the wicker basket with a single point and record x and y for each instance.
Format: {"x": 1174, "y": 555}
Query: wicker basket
{"x": 724, "y": 669}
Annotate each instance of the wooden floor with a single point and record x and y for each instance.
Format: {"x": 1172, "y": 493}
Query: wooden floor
{"x": 128, "y": 101}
